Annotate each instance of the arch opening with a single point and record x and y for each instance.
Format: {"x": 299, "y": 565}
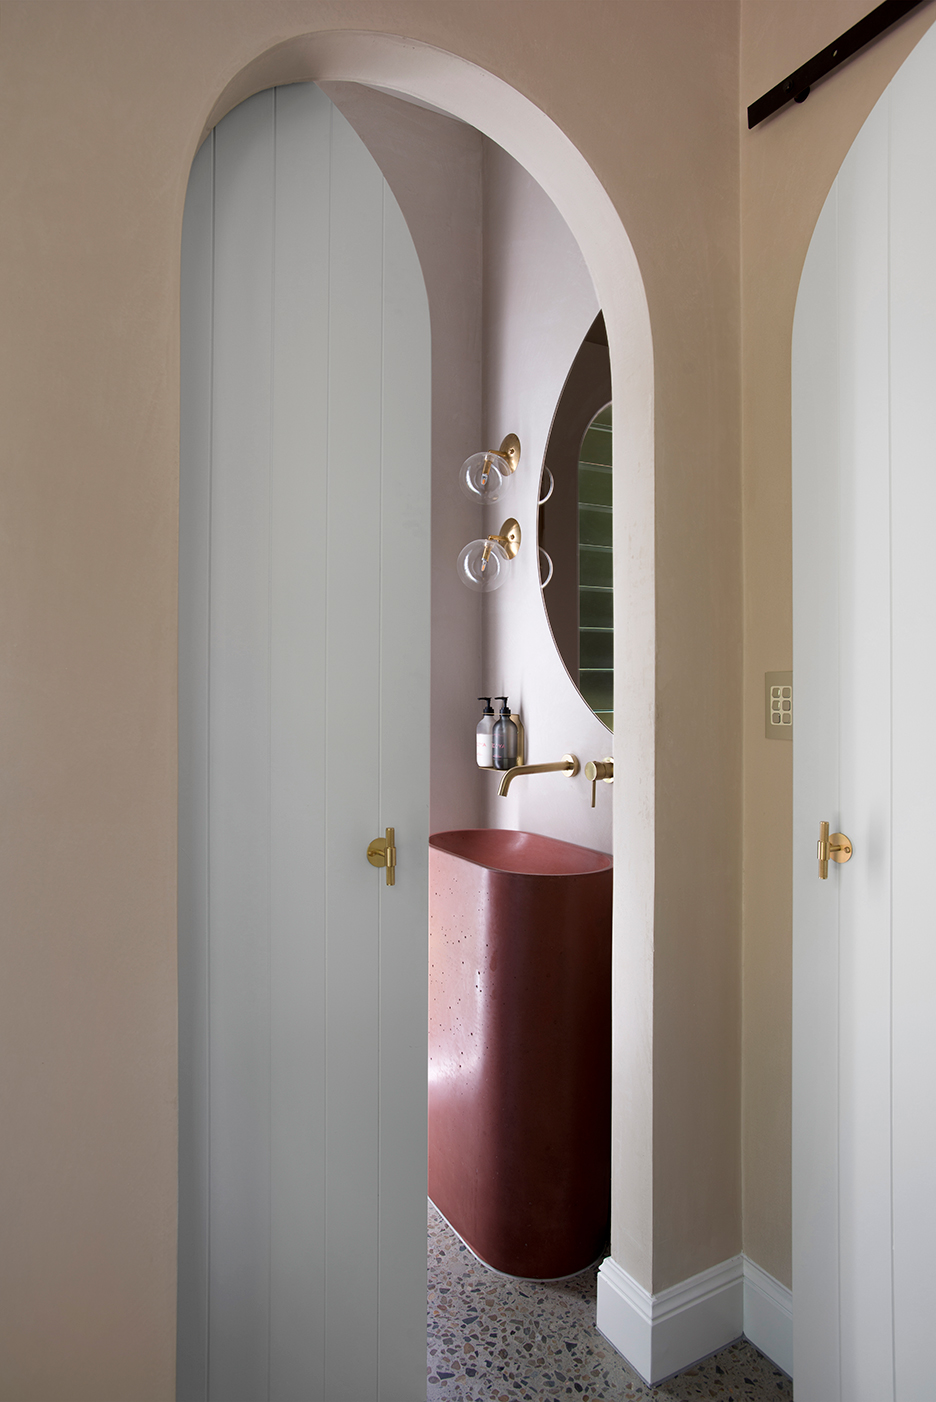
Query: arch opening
{"x": 479, "y": 98}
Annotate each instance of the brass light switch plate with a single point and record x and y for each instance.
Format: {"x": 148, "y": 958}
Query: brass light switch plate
{"x": 778, "y": 705}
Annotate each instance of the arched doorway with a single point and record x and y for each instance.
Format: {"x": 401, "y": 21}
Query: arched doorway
{"x": 526, "y": 133}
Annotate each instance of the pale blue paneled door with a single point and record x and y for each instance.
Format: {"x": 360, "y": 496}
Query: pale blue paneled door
{"x": 864, "y": 561}
{"x": 304, "y": 645}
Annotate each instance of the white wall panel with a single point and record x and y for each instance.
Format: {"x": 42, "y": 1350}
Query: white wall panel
{"x": 861, "y": 731}
{"x": 404, "y": 745}
{"x": 307, "y": 1014}
{"x": 194, "y": 538}
{"x": 239, "y": 779}
{"x": 298, "y": 743}
{"x": 913, "y": 448}
{"x": 815, "y": 797}
{"x": 865, "y": 756}
{"x": 353, "y": 681}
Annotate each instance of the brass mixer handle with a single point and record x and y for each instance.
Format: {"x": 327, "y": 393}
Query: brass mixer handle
{"x": 597, "y": 769}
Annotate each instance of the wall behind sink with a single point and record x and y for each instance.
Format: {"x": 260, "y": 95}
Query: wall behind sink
{"x": 538, "y": 304}
{"x": 433, "y": 164}
{"x": 510, "y": 301}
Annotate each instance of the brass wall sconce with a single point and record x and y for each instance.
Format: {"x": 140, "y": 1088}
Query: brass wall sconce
{"x": 485, "y": 477}
{"x": 482, "y": 565}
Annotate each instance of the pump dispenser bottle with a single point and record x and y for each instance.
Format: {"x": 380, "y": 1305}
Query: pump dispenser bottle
{"x": 506, "y": 737}
{"x": 484, "y": 735}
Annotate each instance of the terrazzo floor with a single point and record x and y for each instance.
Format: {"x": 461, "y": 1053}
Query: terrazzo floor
{"x": 491, "y": 1339}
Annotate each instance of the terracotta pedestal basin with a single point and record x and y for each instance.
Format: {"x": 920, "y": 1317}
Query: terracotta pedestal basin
{"x": 520, "y": 1047}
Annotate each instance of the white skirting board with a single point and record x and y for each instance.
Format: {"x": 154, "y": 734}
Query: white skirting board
{"x": 768, "y": 1316}
{"x": 660, "y": 1334}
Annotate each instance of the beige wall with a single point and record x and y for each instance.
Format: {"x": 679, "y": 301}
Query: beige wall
{"x": 788, "y": 164}
{"x": 103, "y": 104}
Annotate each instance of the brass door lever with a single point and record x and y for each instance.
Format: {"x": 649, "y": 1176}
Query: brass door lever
{"x": 597, "y": 769}
{"x": 382, "y": 853}
{"x": 834, "y": 848}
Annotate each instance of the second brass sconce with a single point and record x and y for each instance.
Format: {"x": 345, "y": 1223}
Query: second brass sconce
{"x": 482, "y": 565}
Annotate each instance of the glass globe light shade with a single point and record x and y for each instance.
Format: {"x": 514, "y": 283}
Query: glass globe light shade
{"x": 482, "y": 565}
{"x": 485, "y": 477}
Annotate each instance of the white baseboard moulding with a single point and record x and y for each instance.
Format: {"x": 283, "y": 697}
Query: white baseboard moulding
{"x": 661, "y": 1334}
{"x": 768, "y": 1316}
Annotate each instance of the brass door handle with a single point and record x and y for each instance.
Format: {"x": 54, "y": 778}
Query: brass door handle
{"x": 597, "y": 769}
{"x": 382, "y": 853}
{"x": 834, "y": 848}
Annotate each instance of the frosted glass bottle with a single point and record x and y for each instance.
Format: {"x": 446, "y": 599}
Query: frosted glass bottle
{"x": 484, "y": 735}
{"x": 506, "y": 738}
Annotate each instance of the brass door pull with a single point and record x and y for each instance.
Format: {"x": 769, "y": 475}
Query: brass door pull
{"x": 382, "y": 853}
{"x": 597, "y": 769}
{"x": 834, "y": 848}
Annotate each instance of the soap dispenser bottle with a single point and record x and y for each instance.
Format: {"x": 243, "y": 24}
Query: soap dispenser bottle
{"x": 485, "y": 745}
{"x": 506, "y": 738}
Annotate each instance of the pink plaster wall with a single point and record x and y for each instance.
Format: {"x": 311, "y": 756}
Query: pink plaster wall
{"x": 539, "y": 301}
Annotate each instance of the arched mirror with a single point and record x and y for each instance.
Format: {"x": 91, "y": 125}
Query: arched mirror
{"x": 575, "y": 521}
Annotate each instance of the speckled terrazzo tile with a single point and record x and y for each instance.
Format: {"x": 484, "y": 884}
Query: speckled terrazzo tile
{"x": 496, "y": 1340}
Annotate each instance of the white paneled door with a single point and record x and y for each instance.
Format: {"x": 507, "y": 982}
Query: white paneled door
{"x": 864, "y": 515}
{"x": 304, "y": 649}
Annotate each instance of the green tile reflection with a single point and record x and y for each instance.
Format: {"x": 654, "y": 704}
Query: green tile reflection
{"x": 595, "y": 525}
{"x": 596, "y": 600}
{"x": 597, "y": 688}
{"x": 595, "y": 566}
{"x": 596, "y": 649}
{"x": 596, "y": 446}
{"x": 594, "y": 485}
{"x": 596, "y": 608}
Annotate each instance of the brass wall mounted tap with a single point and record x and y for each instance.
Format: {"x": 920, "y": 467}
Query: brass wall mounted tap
{"x": 568, "y": 765}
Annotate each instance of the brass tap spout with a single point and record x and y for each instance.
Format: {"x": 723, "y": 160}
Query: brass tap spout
{"x": 568, "y": 765}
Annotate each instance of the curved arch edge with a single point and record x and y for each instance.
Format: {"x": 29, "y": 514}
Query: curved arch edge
{"x": 482, "y": 99}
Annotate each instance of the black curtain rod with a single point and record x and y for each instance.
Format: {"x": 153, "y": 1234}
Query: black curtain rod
{"x": 796, "y": 87}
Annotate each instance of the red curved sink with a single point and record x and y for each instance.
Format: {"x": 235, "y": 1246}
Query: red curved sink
{"x": 520, "y": 1047}
{"x": 524, "y": 853}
